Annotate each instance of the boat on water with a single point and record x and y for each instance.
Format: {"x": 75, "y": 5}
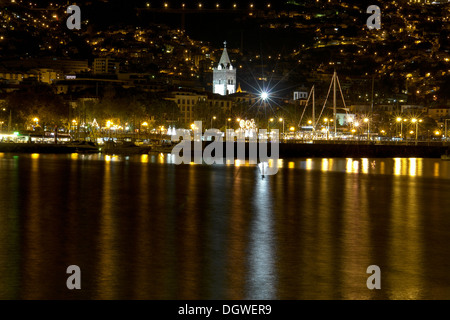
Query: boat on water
{"x": 162, "y": 149}
{"x": 165, "y": 147}
{"x": 124, "y": 147}
{"x": 83, "y": 147}
{"x": 31, "y": 147}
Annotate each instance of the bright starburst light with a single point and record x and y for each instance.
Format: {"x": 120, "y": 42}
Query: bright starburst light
{"x": 264, "y": 95}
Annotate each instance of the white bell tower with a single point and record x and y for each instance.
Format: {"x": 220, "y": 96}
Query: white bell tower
{"x": 224, "y": 76}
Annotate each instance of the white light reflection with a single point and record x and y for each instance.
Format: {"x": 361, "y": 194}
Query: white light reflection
{"x": 308, "y": 164}
{"x": 397, "y": 166}
{"x": 109, "y": 158}
{"x": 365, "y": 165}
{"x": 280, "y": 163}
{"x": 170, "y": 158}
{"x": 348, "y": 166}
{"x": 324, "y": 164}
{"x": 412, "y": 167}
{"x": 262, "y": 256}
{"x": 355, "y": 166}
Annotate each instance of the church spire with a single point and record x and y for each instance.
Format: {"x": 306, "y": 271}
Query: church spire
{"x": 224, "y": 76}
{"x": 224, "y": 61}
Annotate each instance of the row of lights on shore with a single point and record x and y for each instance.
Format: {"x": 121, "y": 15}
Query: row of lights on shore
{"x": 200, "y": 5}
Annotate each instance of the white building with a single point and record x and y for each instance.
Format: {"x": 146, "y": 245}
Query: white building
{"x": 224, "y": 76}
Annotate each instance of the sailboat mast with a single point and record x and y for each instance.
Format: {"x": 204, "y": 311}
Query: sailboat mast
{"x": 313, "y": 109}
{"x": 373, "y": 83}
{"x": 334, "y": 101}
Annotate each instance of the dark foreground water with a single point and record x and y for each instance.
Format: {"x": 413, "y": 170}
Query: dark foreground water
{"x": 143, "y": 228}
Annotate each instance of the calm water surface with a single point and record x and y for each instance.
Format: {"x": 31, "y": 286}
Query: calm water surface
{"x": 141, "y": 227}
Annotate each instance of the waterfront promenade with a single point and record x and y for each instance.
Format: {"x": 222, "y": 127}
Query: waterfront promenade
{"x": 291, "y": 149}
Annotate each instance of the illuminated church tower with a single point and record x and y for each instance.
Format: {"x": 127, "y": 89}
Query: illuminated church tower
{"x": 224, "y": 76}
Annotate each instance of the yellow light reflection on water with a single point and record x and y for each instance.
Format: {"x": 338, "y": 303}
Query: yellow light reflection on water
{"x": 436, "y": 169}
{"x": 291, "y": 165}
{"x": 144, "y": 158}
{"x": 419, "y": 167}
{"x": 2, "y": 154}
{"x": 35, "y": 155}
{"x": 404, "y": 166}
{"x": 330, "y": 164}
{"x": 74, "y": 156}
{"x": 382, "y": 167}
{"x": 106, "y": 239}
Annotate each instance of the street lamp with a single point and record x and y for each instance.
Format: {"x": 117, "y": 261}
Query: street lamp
{"x": 282, "y": 120}
{"x": 268, "y": 124}
{"x": 74, "y": 125}
{"x": 108, "y": 125}
{"x": 213, "y": 118}
{"x": 416, "y": 121}
{"x": 226, "y": 124}
{"x": 366, "y": 120}
{"x": 327, "y": 121}
{"x": 446, "y": 128}
{"x": 399, "y": 119}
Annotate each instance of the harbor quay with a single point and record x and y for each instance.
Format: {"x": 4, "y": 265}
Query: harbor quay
{"x": 338, "y": 149}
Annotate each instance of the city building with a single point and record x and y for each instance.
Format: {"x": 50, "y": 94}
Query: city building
{"x": 105, "y": 66}
{"x": 186, "y": 100}
{"x": 439, "y": 112}
{"x": 300, "y": 95}
{"x": 224, "y": 76}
